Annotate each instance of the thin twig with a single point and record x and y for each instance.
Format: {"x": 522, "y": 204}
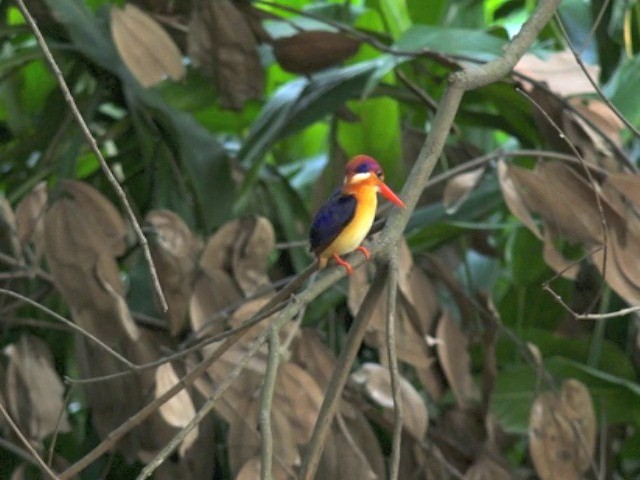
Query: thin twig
{"x": 96, "y": 150}
{"x": 70, "y": 324}
{"x": 266, "y": 404}
{"x": 422, "y": 95}
{"x": 252, "y": 349}
{"x": 394, "y": 373}
{"x": 592, "y": 81}
{"x": 40, "y": 462}
{"x": 257, "y": 318}
{"x": 324, "y": 281}
{"x": 592, "y": 182}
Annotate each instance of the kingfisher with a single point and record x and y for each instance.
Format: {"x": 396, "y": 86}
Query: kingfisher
{"x": 343, "y": 222}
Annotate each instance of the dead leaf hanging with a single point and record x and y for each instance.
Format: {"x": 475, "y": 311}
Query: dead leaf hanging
{"x": 455, "y": 360}
{"x": 145, "y": 47}
{"x": 221, "y": 42}
{"x": 35, "y": 394}
{"x": 313, "y": 50}
{"x": 562, "y": 432}
{"x": 174, "y": 249}
{"x": 376, "y": 382}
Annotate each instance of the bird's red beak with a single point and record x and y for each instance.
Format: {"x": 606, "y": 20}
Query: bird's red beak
{"x": 389, "y": 195}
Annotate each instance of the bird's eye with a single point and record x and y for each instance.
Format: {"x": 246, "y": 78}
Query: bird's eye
{"x": 380, "y": 175}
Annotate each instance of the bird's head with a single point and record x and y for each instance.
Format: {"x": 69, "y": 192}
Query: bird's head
{"x": 362, "y": 171}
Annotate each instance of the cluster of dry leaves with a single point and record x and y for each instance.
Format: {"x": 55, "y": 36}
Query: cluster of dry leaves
{"x": 218, "y": 284}
{"x": 222, "y": 40}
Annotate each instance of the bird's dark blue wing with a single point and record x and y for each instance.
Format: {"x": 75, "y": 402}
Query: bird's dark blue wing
{"x": 331, "y": 219}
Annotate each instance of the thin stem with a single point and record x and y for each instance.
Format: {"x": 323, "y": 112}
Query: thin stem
{"x": 394, "y": 373}
{"x": 39, "y": 461}
{"x": 70, "y": 324}
{"x": 592, "y": 81}
{"x": 96, "y": 150}
{"x": 266, "y": 404}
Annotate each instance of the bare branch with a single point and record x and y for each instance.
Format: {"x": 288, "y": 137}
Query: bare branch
{"x": 71, "y": 325}
{"x": 94, "y": 147}
{"x": 39, "y": 461}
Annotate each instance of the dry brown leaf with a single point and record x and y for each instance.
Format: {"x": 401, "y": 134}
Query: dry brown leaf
{"x": 179, "y": 410}
{"x": 486, "y": 467}
{"x": 107, "y": 275}
{"x": 9, "y": 240}
{"x": 29, "y": 218}
{"x": 99, "y": 213}
{"x": 252, "y": 469}
{"x": 455, "y": 360}
{"x": 626, "y": 184}
{"x": 559, "y": 71}
{"x": 145, "y": 47}
{"x": 622, "y": 260}
{"x": 299, "y": 397}
{"x": 563, "y": 198}
{"x": 212, "y": 292}
{"x": 514, "y": 200}
{"x": 254, "y": 243}
{"x": 173, "y": 248}
{"x": 313, "y": 50}
{"x": 221, "y": 42}
{"x": 313, "y": 356}
{"x": 562, "y": 432}
{"x": 459, "y": 187}
{"x": 241, "y": 248}
{"x": 461, "y": 435}
{"x": 352, "y": 450}
{"x": 599, "y": 114}
{"x": 35, "y": 394}
{"x": 83, "y": 233}
{"x": 415, "y": 310}
{"x": 376, "y": 381}
{"x": 244, "y": 440}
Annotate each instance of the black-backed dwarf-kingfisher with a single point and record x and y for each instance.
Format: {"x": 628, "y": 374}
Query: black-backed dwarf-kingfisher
{"x": 345, "y": 219}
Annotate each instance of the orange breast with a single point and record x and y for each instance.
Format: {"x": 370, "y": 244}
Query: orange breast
{"x": 354, "y": 233}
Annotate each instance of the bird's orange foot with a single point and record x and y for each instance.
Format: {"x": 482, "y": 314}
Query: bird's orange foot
{"x": 345, "y": 264}
{"x": 365, "y": 251}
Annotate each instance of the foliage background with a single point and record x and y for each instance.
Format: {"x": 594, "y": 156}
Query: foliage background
{"x": 255, "y": 131}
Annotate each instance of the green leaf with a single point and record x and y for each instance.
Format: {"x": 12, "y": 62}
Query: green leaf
{"x": 516, "y": 388}
{"x": 376, "y": 133}
{"x": 622, "y": 89}
{"x": 452, "y": 41}
{"x": 396, "y": 15}
{"x": 89, "y": 36}
{"x": 428, "y": 16}
{"x": 295, "y": 106}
